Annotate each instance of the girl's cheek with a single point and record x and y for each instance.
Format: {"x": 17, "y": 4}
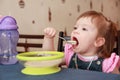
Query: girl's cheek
{"x": 72, "y": 33}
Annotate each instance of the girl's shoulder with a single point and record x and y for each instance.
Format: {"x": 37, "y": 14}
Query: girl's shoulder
{"x": 68, "y": 48}
{"x": 68, "y": 53}
{"x": 109, "y": 64}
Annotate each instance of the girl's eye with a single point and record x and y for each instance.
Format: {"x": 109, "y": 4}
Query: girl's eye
{"x": 75, "y": 28}
{"x": 84, "y": 29}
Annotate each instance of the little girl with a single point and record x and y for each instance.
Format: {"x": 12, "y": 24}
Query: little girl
{"x": 95, "y": 37}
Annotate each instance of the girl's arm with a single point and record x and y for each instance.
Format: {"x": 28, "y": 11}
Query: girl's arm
{"x": 111, "y": 64}
{"x": 48, "y": 43}
{"x": 116, "y": 70}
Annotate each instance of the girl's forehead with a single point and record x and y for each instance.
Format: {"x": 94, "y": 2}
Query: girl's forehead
{"x": 84, "y": 20}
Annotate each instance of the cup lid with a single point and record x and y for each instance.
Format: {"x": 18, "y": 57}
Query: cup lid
{"x": 7, "y": 23}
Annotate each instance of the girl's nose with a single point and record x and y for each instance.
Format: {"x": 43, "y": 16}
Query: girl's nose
{"x": 75, "y": 32}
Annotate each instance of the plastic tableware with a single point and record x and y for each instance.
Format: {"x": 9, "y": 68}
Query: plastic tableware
{"x": 40, "y": 62}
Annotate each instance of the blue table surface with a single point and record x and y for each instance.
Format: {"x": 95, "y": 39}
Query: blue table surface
{"x": 13, "y": 72}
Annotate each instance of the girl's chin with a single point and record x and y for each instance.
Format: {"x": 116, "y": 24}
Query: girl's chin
{"x": 75, "y": 49}
{"x": 74, "y": 46}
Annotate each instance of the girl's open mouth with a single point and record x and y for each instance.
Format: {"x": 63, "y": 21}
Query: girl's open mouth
{"x": 76, "y": 40}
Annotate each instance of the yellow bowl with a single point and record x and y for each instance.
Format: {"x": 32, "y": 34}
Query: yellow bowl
{"x": 40, "y": 62}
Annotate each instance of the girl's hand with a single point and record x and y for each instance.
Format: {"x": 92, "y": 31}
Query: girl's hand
{"x": 49, "y": 32}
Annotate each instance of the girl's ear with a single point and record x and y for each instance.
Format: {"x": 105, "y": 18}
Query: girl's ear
{"x": 99, "y": 42}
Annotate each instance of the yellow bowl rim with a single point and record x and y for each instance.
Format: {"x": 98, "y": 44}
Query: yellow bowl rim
{"x": 25, "y": 58}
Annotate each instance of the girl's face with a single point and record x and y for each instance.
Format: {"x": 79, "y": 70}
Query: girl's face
{"x": 84, "y": 33}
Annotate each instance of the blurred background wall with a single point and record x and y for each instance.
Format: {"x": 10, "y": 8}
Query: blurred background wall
{"x": 34, "y": 15}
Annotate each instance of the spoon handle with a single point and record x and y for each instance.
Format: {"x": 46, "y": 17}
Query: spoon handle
{"x": 68, "y": 41}
{"x": 62, "y": 38}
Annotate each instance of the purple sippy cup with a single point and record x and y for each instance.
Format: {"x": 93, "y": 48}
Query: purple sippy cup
{"x": 9, "y": 36}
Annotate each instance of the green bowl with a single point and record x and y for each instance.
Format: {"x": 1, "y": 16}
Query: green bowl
{"x": 40, "y": 62}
